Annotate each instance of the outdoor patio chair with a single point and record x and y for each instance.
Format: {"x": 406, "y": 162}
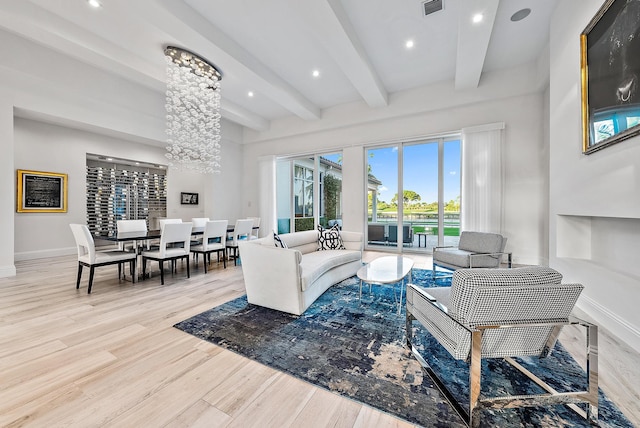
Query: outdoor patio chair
{"x": 407, "y": 234}
{"x": 502, "y": 313}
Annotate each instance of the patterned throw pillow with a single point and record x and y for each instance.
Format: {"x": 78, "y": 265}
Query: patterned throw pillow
{"x": 329, "y": 239}
{"x": 278, "y": 241}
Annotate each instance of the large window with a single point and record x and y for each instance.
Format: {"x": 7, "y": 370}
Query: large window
{"x": 413, "y": 196}
{"x": 303, "y": 190}
{"x": 309, "y": 192}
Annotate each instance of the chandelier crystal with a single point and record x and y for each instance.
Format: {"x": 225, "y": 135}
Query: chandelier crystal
{"x": 193, "y": 112}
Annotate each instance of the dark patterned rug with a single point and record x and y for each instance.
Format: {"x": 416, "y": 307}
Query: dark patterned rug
{"x": 356, "y": 348}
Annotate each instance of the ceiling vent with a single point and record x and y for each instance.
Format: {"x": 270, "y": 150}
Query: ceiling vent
{"x": 431, "y": 6}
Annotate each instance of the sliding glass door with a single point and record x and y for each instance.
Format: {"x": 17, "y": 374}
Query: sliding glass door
{"x": 413, "y": 195}
{"x": 309, "y": 192}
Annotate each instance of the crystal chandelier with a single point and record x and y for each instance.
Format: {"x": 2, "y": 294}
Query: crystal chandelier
{"x": 193, "y": 112}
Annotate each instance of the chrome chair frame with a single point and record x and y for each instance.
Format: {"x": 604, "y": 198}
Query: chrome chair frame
{"x": 471, "y": 416}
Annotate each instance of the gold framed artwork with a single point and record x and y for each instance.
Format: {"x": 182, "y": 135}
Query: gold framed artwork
{"x": 41, "y": 192}
{"x": 610, "y": 73}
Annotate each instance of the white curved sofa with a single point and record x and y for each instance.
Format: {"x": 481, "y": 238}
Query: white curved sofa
{"x": 291, "y": 279}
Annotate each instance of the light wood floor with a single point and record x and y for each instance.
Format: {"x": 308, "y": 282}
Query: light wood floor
{"x": 112, "y": 358}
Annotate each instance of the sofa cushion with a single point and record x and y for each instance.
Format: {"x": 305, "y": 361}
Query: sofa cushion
{"x": 314, "y": 265}
{"x": 305, "y": 241}
{"x": 329, "y": 239}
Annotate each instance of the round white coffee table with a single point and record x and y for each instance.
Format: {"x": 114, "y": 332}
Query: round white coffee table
{"x": 386, "y": 270}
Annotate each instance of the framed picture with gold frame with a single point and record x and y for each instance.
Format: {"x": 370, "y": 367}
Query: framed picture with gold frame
{"x": 610, "y": 73}
{"x": 41, "y": 192}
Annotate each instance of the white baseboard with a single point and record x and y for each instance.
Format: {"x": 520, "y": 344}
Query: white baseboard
{"x": 610, "y": 321}
{"x": 7, "y": 271}
{"x": 43, "y": 254}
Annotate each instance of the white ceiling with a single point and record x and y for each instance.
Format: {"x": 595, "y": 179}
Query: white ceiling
{"x": 270, "y": 47}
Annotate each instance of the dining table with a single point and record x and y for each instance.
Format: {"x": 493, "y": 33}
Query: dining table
{"x": 140, "y": 236}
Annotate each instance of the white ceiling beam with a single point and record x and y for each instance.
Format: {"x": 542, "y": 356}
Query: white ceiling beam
{"x": 44, "y": 27}
{"x": 242, "y": 116}
{"x": 185, "y": 25}
{"x": 330, "y": 23}
{"x": 33, "y": 22}
{"x": 473, "y": 41}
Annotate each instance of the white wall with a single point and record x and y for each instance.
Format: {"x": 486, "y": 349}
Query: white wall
{"x": 69, "y": 108}
{"x": 524, "y": 159}
{"x": 219, "y": 194}
{"x": 594, "y": 208}
{"x": 7, "y": 186}
{"x": 45, "y": 147}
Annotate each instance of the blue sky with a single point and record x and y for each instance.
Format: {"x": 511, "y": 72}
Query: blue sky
{"x": 420, "y": 170}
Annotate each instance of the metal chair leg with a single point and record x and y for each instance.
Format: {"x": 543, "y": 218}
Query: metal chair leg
{"x": 91, "y": 270}
{"x": 79, "y": 275}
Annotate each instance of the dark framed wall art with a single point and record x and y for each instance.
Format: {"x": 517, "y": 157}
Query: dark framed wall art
{"x": 41, "y": 192}
{"x": 610, "y": 73}
{"x": 188, "y": 198}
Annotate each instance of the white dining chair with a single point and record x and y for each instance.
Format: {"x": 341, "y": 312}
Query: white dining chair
{"x": 199, "y": 222}
{"x": 164, "y": 221}
{"x": 213, "y": 240}
{"x": 241, "y": 232}
{"x": 89, "y": 257}
{"x": 125, "y": 226}
{"x": 178, "y": 234}
{"x": 255, "y": 231}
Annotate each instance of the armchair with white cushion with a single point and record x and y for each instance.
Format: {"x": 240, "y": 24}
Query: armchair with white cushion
{"x": 502, "y": 313}
{"x": 474, "y": 250}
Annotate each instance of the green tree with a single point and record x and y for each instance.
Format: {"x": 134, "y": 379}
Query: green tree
{"x": 453, "y": 205}
{"x": 332, "y": 187}
{"x": 408, "y": 196}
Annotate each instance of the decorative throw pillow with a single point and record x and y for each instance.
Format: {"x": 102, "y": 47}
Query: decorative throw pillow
{"x": 329, "y": 239}
{"x": 278, "y": 241}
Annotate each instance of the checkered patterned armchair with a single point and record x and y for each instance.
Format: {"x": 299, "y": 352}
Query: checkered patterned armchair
{"x": 501, "y": 313}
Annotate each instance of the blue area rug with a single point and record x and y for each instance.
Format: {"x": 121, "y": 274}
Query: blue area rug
{"x": 357, "y": 348}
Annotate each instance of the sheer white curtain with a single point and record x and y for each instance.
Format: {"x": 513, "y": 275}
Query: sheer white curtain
{"x": 482, "y": 196}
{"x": 267, "y": 190}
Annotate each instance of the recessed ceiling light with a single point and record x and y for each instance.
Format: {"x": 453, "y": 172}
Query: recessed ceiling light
{"x": 137, "y": 163}
{"x": 250, "y": 94}
{"x": 409, "y": 44}
{"x": 94, "y": 3}
{"x": 520, "y": 15}
{"x": 315, "y": 73}
{"x": 477, "y": 18}
{"x": 109, "y": 159}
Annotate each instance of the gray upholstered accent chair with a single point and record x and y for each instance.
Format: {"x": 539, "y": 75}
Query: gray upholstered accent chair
{"x": 502, "y": 313}
{"x": 475, "y": 250}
